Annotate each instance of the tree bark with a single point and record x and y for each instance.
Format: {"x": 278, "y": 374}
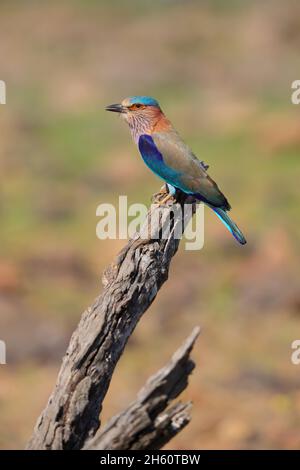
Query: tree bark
{"x": 149, "y": 422}
{"x": 131, "y": 283}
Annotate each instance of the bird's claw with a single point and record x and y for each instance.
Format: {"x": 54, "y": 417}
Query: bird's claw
{"x": 163, "y": 201}
{"x": 161, "y": 193}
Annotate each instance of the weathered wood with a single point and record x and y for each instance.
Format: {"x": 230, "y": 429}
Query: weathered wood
{"x": 71, "y": 416}
{"x": 149, "y": 422}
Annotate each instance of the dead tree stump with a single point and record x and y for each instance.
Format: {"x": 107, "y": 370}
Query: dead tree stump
{"x": 70, "y": 419}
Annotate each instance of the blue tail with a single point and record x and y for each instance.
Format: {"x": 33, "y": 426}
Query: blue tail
{"x": 230, "y": 225}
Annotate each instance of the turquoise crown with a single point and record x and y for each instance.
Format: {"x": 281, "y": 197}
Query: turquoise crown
{"x": 145, "y": 100}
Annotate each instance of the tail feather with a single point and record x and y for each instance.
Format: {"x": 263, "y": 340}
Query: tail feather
{"x": 230, "y": 225}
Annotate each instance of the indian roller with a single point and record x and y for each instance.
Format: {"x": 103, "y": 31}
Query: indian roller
{"x": 165, "y": 153}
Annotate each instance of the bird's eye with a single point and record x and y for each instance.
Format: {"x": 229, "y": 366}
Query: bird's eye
{"x": 135, "y": 106}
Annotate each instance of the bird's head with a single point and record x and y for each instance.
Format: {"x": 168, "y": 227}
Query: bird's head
{"x": 140, "y": 112}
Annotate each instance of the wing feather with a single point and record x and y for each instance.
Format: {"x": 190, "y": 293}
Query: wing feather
{"x": 192, "y": 177}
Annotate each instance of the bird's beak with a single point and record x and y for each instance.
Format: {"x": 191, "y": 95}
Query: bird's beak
{"x": 116, "y": 108}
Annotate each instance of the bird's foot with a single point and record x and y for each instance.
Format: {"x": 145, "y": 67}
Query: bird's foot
{"x": 157, "y": 196}
{"x": 163, "y": 196}
{"x": 163, "y": 201}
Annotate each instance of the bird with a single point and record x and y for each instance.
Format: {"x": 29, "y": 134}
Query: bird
{"x": 170, "y": 158}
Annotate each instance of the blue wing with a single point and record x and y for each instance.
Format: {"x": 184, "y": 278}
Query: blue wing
{"x": 155, "y": 161}
{"x": 189, "y": 176}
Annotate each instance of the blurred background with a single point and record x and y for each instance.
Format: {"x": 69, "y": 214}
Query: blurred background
{"x": 222, "y": 71}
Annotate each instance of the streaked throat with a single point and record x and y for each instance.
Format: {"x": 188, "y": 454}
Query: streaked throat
{"x": 139, "y": 125}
